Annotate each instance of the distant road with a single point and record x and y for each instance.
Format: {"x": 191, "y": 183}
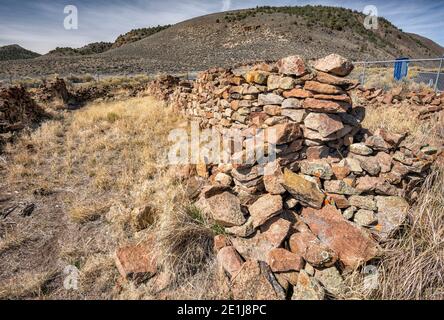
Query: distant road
{"x": 428, "y": 77}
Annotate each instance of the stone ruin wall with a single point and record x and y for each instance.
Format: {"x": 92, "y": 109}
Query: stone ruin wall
{"x": 335, "y": 192}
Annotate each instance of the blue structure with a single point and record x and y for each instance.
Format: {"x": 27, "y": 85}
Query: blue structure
{"x": 401, "y": 68}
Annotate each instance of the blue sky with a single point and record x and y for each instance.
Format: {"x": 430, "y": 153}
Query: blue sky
{"x": 38, "y": 25}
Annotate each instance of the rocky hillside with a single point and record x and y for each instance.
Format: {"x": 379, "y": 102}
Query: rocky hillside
{"x": 136, "y": 35}
{"x": 89, "y": 49}
{"x": 15, "y": 52}
{"x": 266, "y": 33}
{"x": 223, "y": 39}
{"x": 100, "y": 47}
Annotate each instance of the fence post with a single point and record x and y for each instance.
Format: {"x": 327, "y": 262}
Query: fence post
{"x": 438, "y": 74}
{"x": 363, "y": 74}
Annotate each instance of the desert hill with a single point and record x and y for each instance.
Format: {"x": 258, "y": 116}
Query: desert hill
{"x": 16, "y": 52}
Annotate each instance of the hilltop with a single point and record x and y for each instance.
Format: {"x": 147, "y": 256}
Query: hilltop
{"x": 16, "y": 52}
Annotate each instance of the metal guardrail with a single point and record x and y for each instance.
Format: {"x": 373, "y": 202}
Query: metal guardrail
{"x": 368, "y": 63}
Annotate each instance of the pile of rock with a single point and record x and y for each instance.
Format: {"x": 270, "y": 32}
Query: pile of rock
{"x": 424, "y": 103}
{"x": 17, "y": 111}
{"x": 166, "y": 87}
{"x": 295, "y": 225}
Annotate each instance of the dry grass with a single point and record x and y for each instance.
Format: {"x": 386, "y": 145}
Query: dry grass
{"x": 402, "y": 120}
{"x": 99, "y": 153}
{"x": 30, "y": 284}
{"x": 185, "y": 242}
{"x": 10, "y": 241}
{"x": 382, "y": 77}
{"x": 413, "y": 264}
{"x": 106, "y": 160}
{"x": 97, "y": 164}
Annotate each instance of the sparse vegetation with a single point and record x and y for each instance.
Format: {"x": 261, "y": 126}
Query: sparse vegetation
{"x": 137, "y": 34}
{"x": 15, "y": 52}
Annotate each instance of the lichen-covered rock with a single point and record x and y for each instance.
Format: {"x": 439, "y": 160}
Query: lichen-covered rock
{"x": 317, "y": 168}
{"x": 230, "y": 260}
{"x": 334, "y": 64}
{"x": 264, "y": 208}
{"x": 325, "y": 124}
{"x": 331, "y": 280}
{"x": 365, "y": 218}
{"x": 340, "y": 187}
{"x": 363, "y": 202}
{"x": 255, "y": 281}
{"x": 306, "y": 245}
{"x": 303, "y": 190}
{"x": 271, "y": 236}
{"x": 224, "y": 208}
{"x": 308, "y": 288}
{"x": 281, "y": 260}
{"x": 292, "y": 65}
{"x": 392, "y": 213}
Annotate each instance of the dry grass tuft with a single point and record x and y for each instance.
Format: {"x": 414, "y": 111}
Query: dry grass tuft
{"x": 30, "y": 284}
{"x": 413, "y": 264}
{"x": 184, "y": 242}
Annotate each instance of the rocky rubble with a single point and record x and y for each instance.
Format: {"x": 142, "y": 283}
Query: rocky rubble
{"x": 423, "y": 103}
{"x": 332, "y": 195}
{"x": 17, "y": 111}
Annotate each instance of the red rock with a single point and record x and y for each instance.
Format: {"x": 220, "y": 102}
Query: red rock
{"x": 334, "y": 64}
{"x": 337, "y": 81}
{"x": 255, "y": 281}
{"x": 325, "y": 106}
{"x": 338, "y": 200}
{"x": 293, "y": 65}
{"x": 230, "y": 260}
{"x": 297, "y": 93}
{"x": 224, "y": 208}
{"x": 258, "y": 118}
{"x": 353, "y": 245}
{"x": 273, "y": 110}
{"x": 340, "y": 171}
{"x": 221, "y": 241}
{"x": 340, "y": 97}
{"x": 271, "y": 236}
{"x": 137, "y": 262}
{"x": 281, "y": 260}
{"x": 307, "y": 245}
{"x": 317, "y": 152}
{"x": 388, "y": 98}
{"x": 325, "y": 124}
{"x": 322, "y": 88}
{"x": 273, "y": 178}
{"x": 283, "y": 133}
{"x": 264, "y": 208}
